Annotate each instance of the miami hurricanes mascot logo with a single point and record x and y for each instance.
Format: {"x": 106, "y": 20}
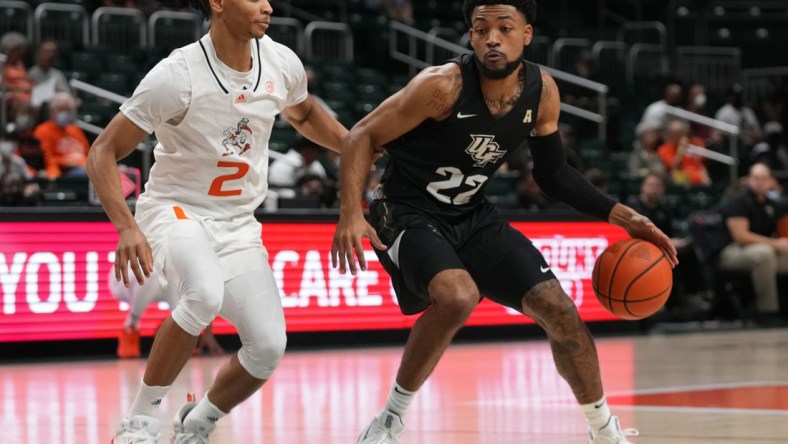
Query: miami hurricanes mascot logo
{"x": 483, "y": 150}
{"x": 235, "y": 139}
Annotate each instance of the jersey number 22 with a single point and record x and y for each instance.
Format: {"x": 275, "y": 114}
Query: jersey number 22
{"x": 455, "y": 180}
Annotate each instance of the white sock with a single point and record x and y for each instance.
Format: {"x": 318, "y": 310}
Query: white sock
{"x": 597, "y": 413}
{"x": 399, "y": 400}
{"x": 148, "y": 400}
{"x": 132, "y": 321}
{"x": 204, "y": 411}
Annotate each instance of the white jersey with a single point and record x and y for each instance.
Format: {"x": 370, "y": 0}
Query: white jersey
{"x": 213, "y": 125}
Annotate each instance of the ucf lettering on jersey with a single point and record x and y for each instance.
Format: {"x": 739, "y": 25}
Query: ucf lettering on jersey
{"x": 444, "y": 167}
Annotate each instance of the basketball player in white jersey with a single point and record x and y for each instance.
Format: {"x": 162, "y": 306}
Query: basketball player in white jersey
{"x": 212, "y": 105}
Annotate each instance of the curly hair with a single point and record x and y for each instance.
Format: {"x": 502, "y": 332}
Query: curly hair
{"x": 526, "y": 7}
{"x": 202, "y": 6}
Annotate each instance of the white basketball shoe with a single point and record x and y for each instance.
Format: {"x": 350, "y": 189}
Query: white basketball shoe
{"x": 138, "y": 429}
{"x": 196, "y": 432}
{"x": 384, "y": 429}
{"x": 611, "y": 433}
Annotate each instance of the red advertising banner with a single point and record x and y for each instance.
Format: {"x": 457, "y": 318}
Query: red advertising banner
{"x": 54, "y": 280}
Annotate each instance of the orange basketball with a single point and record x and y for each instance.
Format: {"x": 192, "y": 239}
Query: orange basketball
{"x": 632, "y": 279}
{"x": 782, "y": 226}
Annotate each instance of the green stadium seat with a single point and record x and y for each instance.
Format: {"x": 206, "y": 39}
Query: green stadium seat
{"x": 502, "y": 184}
{"x": 15, "y": 17}
{"x": 122, "y": 64}
{"x": 116, "y": 83}
{"x": 91, "y": 63}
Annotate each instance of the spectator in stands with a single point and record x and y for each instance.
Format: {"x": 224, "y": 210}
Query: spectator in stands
{"x": 16, "y": 182}
{"x": 47, "y": 79}
{"x": 18, "y": 85}
{"x": 684, "y": 167}
{"x": 20, "y": 131}
{"x": 650, "y": 202}
{"x": 301, "y": 159}
{"x": 599, "y": 179}
{"x": 686, "y": 297}
{"x": 738, "y": 114}
{"x": 63, "y": 143}
{"x": 314, "y": 186}
{"x": 644, "y": 159}
{"x": 399, "y": 10}
{"x": 751, "y": 217}
{"x": 772, "y": 152}
{"x": 655, "y": 115}
{"x": 696, "y": 103}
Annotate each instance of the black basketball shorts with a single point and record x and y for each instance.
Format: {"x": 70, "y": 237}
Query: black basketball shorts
{"x": 501, "y": 260}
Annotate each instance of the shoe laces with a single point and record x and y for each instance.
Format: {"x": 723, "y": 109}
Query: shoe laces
{"x": 137, "y": 436}
{"x": 618, "y": 435}
{"x": 136, "y": 430}
{"x": 191, "y": 438}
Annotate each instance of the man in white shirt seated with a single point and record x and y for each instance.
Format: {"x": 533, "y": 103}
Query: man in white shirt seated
{"x": 299, "y": 160}
{"x": 738, "y": 114}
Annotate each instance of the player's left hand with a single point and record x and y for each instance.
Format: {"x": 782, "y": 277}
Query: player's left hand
{"x": 641, "y": 227}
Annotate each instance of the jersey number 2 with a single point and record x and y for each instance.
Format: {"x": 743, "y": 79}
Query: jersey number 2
{"x": 455, "y": 180}
{"x": 216, "y": 186}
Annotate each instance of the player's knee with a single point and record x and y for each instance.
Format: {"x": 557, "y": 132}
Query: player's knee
{"x": 208, "y": 293}
{"x": 261, "y": 357}
{"x": 457, "y": 302}
{"x": 198, "y": 307}
{"x": 549, "y": 305}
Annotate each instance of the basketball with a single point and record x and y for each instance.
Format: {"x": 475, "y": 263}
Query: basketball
{"x": 632, "y": 279}
{"x": 782, "y": 226}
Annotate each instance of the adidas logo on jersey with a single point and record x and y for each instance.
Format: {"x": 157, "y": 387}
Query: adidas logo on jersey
{"x": 241, "y": 99}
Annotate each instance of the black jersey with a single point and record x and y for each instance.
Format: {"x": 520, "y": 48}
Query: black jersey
{"x": 443, "y": 167}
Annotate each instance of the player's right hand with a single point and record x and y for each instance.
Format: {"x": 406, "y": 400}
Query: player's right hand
{"x": 347, "y": 243}
{"x": 133, "y": 252}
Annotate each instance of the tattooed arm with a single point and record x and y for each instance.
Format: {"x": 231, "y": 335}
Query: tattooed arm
{"x": 549, "y": 107}
{"x": 564, "y": 183}
{"x": 430, "y": 95}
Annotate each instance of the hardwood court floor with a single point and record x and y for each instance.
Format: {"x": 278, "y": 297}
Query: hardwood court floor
{"x": 729, "y": 387}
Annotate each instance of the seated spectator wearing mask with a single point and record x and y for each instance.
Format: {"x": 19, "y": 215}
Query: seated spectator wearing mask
{"x": 696, "y": 103}
{"x": 752, "y": 217}
{"x": 63, "y": 144}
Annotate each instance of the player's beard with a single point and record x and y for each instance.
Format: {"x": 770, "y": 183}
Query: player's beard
{"x": 501, "y": 73}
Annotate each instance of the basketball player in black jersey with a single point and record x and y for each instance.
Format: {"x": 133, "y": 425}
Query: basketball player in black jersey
{"x": 441, "y": 241}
